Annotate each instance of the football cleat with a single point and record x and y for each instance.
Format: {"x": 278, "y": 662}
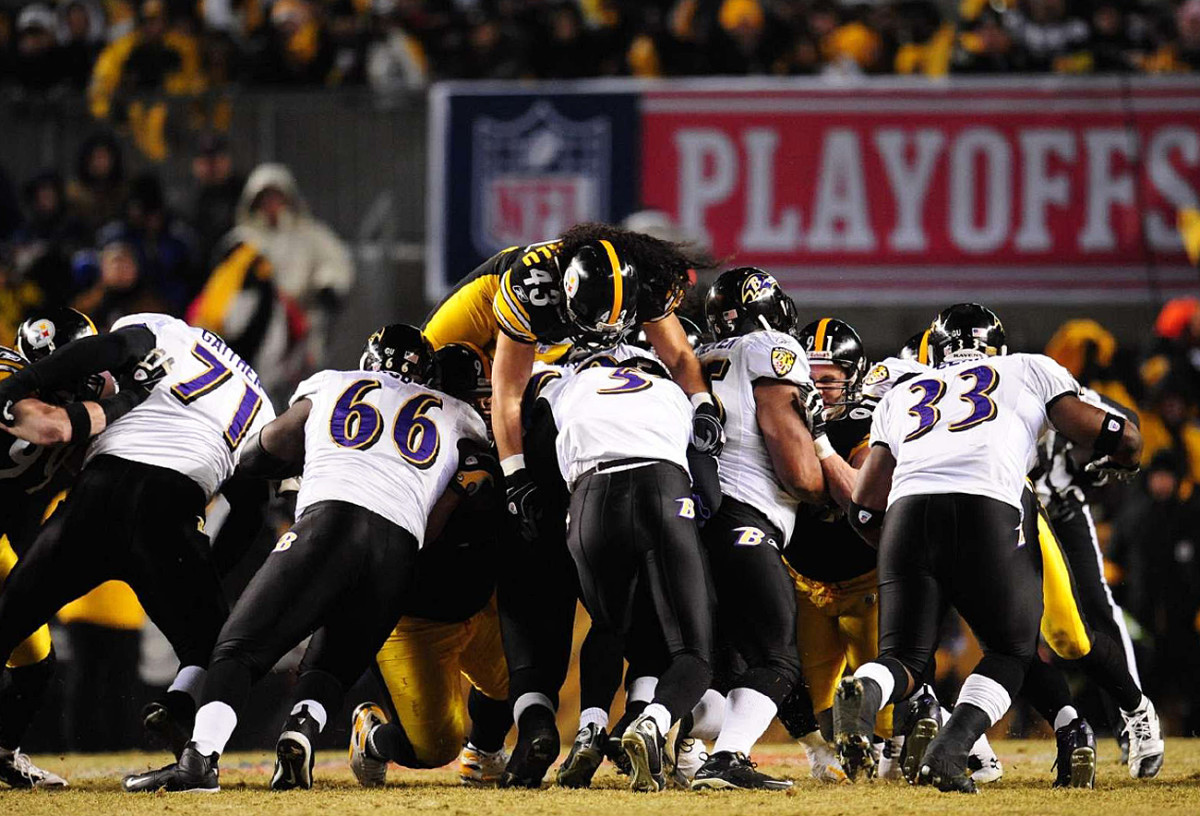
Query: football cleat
{"x": 481, "y": 769}
{"x": 1145, "y": 741}
{"x": 1076, "y": 760}
{"x": 854, "y": 704}
{"x": 368, "y": 770}
{"x": 924, "y": 722}
{"x": 984, "y": 765}
{"x": 536, "y": 749}
{"x": 587, "y": 752}
{"x": 617, "y": 756}
{"x": 823, "y": 764}
{"x": 689, "y": 756}
{"x": 18, "y": 771}
{"x": 169, "y": 720}
{"x": 945, "y": 776}
{"x": 889, "y": 758}
{"x": 727, "y": 770}
{"x": 193, "y": 773}
{"x": 294, "y": 755}
{"x": 643, "y": 744}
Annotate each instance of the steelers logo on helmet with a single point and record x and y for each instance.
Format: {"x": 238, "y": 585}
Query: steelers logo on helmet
{"x": 41, "y": 334}
{"x": 601, "y": 292}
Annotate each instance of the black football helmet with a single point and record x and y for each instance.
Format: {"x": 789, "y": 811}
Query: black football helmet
{"x": 834, "y": 341}
{"x": 465, "y": 372}
{"x": 400, "y": 350}
{"x": 45, "y": 332}
{"x": 744, "y": 300}
{"x": 695, "y": 335}
{"x": 917, "y": 348}
{"x": 601, "y": 293}
{"x": 963, "y": 331}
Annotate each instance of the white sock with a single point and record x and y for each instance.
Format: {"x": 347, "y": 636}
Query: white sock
{"x": 189, "y": 680}
{"x": 662, "y": 718}
{"x": 527, "y": 700}
{"x": 748, "y": 713}
{"x": 1065, "y": 716}
{"x": 593, "y": 715}
{"x": 981, "y": 745}
{"x": 215, "y": 722}
{"x": 708, "y": 715}
{"x": 642, "y": 689}
{"x": 985, "y": 694}
{"x": 945, "y": 715}
{"x": 315, "y": 710}
{"x": 1141, "y": 706}
{"x": 880, "y": 674}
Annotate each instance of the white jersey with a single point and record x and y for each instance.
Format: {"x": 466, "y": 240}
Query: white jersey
{"x": 379, "y": 443}
{"x": 884, "y": 376}
{"x": 606, "y": 414}
{"x": 970, "y": 427}
{"x": 733, "y": 366}
{"x": 196, "y": 419}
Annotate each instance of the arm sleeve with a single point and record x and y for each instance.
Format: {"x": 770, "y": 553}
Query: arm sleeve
{"x": 112, "y": 352}
{"x": 1049, "y": 380}
{"x": 775, "y": 356}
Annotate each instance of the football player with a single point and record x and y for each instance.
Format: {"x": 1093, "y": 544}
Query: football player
{"x": 33, "y": 452}
{"x": 769, "y": 465}
{"x": 363, "y": 511}
{"x": 136, "y": 511}
{"x": 622, "y": 445}
{"x": 450, "y": 629}
{"x": 518, "y": 306}
{"x": 941, "y": 493}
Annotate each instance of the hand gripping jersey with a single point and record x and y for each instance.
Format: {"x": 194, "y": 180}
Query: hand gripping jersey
{"x": 196, "y": 419}
{"x": 971, "y": 427}
{"x": 379, "y": 443}
{"x": 605, "y": 415}
{"x": 733, "y": 366}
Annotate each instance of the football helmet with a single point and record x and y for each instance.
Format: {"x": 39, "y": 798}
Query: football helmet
{"x": 744, "y": 300}
{"x": 400, "y": 350}
{"x": 45, "y": 332}
{"x": 965, "y": 331}
{"x": 465, "y": 372}
{"x": 917, "y": 348}
{"x": 835, "y": 342}
{"x": 601, "y": 294}
{"x": 695, "y": 335}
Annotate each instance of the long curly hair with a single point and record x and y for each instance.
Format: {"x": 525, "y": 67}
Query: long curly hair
{"x": 664, "y": 268}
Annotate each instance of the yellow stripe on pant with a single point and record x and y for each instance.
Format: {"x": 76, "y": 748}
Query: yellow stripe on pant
{"x": 837, "y": 629}
{"x": 1063, "y": 625}
{"x": 36, "y": 647}
{"x": 423, "y": 663}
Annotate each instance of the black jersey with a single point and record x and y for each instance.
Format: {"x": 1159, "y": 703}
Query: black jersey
{"x": 823, "y": 546}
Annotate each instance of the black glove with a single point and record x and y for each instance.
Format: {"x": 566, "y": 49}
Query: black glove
{"x": 706, "y": 484}
{"x": 813, "y": 410}
{"x": 522, "y": 501}
{"x": 1106, "y": 468}
{"x": 708, "y": 428}
{"x": 148, "y": 371}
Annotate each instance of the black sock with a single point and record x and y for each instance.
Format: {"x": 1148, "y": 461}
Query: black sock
{"x": 682, "y": 685}
{"x": 390, "y": 742}
{"x": 953, "y": 743}
{"x": 1045, "y": 688}
{"x": 534, "y": 720}
{"x": 1105, "y": 664}
{"x": 490, "y": 721}
{"x": 825, "y": 722}
{"x": 633, "y": 710}
{"x": 796, "y": 712}
{"x": 21, "y": 693}
{"x": 600, "y": 669}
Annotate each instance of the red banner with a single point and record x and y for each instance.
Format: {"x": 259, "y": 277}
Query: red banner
{"x": 914, "y": 191}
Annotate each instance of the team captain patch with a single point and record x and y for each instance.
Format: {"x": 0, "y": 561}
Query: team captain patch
{"x": 782, "y": 360}
{"x": 876, "y": 375}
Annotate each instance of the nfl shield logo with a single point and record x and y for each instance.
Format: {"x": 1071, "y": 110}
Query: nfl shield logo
{"x": 536, "y": 175}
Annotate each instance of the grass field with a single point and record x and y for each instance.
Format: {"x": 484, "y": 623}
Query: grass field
{"x": 95, "y": 791}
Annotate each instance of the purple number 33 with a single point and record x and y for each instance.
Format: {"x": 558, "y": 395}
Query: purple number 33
{"x": 983, "y": 407}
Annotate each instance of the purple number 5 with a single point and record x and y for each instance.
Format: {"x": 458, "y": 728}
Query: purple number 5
{"x": 216, "y": 374}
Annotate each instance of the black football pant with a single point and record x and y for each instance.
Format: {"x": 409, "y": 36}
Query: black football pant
{"x": 644, "y": 576}
{"x": 967, "y": 550}
{"x": 131, "y": 522}
{"x": 756, "y": 598}
{"x": 342, "y": 572}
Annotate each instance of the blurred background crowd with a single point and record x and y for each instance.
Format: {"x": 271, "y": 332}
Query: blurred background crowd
{"x": 115, "y": 230}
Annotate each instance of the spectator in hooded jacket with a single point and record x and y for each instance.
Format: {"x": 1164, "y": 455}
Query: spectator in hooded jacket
{"x": 97, "y": 193}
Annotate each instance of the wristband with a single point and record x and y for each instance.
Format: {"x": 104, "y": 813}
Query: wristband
{"x": 511, "y": 464}
{"x": 119, "y": 405}
{"x": 701, "y": 398}
{"x": 824, "y": 448}
{"x": 1112, "y": 428}
{"x": 81, "y": 422}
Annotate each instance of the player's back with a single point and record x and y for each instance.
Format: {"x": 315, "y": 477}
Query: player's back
{"x": 734, "y": 366}
{"x": 195, "y": 419}
{"x": 606, "y": 414}
{"x": 970, "y": 427}
{"x": 380, "y": 443}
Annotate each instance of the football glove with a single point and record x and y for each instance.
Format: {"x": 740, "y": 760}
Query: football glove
{"x": 522, "y": 501}
{"x": 1106, "y": 468}
{"x": 708, "y": 427}
{"x": 812, "y": 409}
{"x": 150, "y": 370}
